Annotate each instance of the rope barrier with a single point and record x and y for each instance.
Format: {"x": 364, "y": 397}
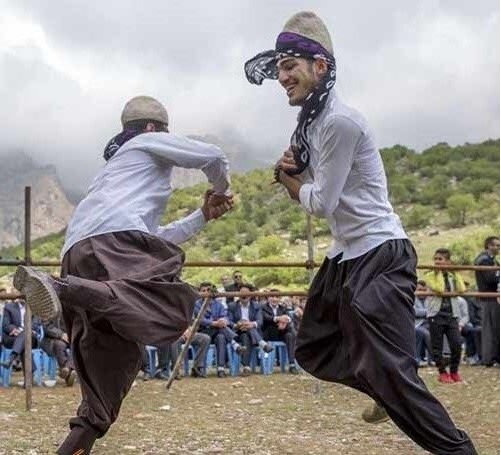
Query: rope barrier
{"x": 306, "y": 264}
{"x": 299, "y": 293}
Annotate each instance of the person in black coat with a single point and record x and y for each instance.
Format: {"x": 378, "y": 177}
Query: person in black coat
{"x": 56, "y": 343}
{"x": 278, "y": 326}
{"x": 488, "y": 281}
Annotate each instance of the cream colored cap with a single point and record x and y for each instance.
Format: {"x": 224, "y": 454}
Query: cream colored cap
{"x": 144, "y": 108}
{"x": 308, "y": 24}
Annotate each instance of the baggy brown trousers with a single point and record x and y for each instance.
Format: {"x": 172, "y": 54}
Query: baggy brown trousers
{"x": 358, "y": 330}
{"x": 123, "y": 291}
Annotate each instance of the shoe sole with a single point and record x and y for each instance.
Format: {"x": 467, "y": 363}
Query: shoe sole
{"x": 39, "y": 294}
{"x": 381, "y": 420}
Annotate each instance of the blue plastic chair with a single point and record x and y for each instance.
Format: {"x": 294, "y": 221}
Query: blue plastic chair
{"x": 152, "y": 360}
{"x": 281, "y": 354}
{"x": 266, "y": 360}
{"x": 37, "y": 360}
{"x": 49, "y": 366}
{"x": 234, "y": 360}
{"x": 209, "y": 360}
{"x": 6, "y": 373}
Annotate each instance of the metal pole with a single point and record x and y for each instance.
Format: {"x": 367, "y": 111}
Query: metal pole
{"x": 194, "y": 329}
{"x": 28, "y": 367}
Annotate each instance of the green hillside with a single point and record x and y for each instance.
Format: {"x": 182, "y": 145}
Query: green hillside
{"x": 451, "y": 190}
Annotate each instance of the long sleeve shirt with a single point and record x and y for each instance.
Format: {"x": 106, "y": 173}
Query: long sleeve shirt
{"x": 215, "y": 311}
{"x": 345, "y": 182}
{"x": 132, "y": 189}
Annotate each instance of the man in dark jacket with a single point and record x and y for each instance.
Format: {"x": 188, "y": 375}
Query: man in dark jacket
{"x": 234, "y": 287}
{"x": 13, "y": 331}
{"x": 246, "y": 319}
{"x": 57, "y": 344}
{"x": 488, "y": 281}
{"x": 216, "y": 324}
{"x": 278, "y": 326}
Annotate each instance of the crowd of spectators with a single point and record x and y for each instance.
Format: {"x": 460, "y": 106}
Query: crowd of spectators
{"x": 448, "y": 329}
{"x": 242, "y": 323}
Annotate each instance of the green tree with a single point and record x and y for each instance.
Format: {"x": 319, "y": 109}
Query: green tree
{"x": 418, "y": 217}
{"x": 228, "y": 252}
{"x": 458, "y": 205}
{"x": 270, "y": 246}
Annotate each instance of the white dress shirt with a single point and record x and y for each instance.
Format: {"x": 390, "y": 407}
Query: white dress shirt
{"x": 22, "y": 310}
{"x": 132, "y": 189}
{"x": 346, "y": 184}
{"x": 245, "y": 312}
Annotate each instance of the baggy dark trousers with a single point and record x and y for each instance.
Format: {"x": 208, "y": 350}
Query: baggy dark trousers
{"x": 123, "y": 292}
{"x": 358, "y": 330}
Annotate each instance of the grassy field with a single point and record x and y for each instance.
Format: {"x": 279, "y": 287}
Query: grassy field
{"x": 262, "y": 415}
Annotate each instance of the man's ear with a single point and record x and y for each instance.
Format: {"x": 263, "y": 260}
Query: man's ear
{"x": 320, "y": 66}
{"x": 150, "y": 127}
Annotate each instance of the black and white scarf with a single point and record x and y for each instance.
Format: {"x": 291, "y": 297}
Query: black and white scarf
{"x": 117, "y": 141}
{"x": 264, "y": 66}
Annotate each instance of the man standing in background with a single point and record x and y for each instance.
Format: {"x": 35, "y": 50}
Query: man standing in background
{"x": 488, "y": 281}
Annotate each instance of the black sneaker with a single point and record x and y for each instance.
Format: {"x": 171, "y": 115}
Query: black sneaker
{"x": 240, "y": 349}
{"x": 268, "y": 348}
{"x": 162, "y": 375}
{"x": 375, "y": 413}
{"x": 293, "y": 369}
{"x": 246, "y": 372}
{"x": 197, "y": 372}
{"x": 221, "y": 374}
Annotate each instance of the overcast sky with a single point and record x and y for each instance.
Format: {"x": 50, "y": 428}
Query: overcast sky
{"x": 421, "y": 71}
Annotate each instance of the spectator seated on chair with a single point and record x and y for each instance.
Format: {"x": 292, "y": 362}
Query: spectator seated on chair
{"x": 297, "y": 314}
{"x": 168, "y": 354}
{"x": 56, "y": 344}
{"x": 13, "y": 331}
{"x": 201, "y": 343}
{"x": 246, "y": 320}
{"x": 278, "y": 326}
{"x": 215, "y": 324}
{"x": 167, "y": 358}
{"x": 422, "y": 327}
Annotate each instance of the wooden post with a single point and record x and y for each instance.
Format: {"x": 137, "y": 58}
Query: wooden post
{"x": 317, "y": 387}
{"x": 28, "y": 367}
{"x": 311, "y": 246}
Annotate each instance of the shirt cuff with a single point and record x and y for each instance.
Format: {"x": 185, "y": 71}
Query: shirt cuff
{"x": 198, "y": 219}
{"x": 305, "y": 196}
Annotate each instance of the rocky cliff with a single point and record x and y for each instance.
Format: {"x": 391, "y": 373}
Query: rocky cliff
{"x": 50, "y": 209}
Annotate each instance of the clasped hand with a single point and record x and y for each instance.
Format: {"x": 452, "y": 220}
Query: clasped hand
{"x": 216, "y": 205}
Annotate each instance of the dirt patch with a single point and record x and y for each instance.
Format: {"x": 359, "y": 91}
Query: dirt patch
{"x": 262, "y": 415}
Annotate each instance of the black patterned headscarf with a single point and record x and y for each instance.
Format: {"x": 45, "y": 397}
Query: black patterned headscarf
{"x": 264, "y": 66}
